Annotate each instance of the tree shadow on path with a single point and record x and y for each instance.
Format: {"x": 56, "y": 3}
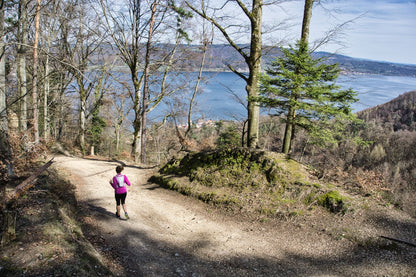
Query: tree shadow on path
{"x": 140, "y": 254}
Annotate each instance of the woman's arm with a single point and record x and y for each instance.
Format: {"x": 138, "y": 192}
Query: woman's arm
{"x": 127, "y": 180}
{"x": 112, "y": 182}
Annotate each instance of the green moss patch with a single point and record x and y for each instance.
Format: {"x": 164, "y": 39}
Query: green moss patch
{"x": 255, "y": 182}
{"x": 333, "y": 201}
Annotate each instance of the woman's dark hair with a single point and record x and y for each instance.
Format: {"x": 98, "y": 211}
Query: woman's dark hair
{"x": 119, "y": 169}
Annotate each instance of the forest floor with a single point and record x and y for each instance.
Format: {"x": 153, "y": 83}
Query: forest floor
{"x": 169, "y": 234}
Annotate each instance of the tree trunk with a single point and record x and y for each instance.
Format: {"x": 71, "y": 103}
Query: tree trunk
{"x": 288, "y": 131}
{"x": 21, "y": 64}
{"x": 183, "y": 141}
{"x": 9, "y": 227}
{"x": 307, "y": 15}
{"x": 137, "y": 142}
{"x": 35, "y": 76}
{"x": 117, "y": 130}
{"x": 60, "y": 113}
{"x": 5, "y": 152}
{"x": 82, "y": 119}
{"x": 46, "y": 122}
{"x": 146, "y": 82}
{"x": 136, "y": 145}
{"x": 254, "y": 64}
{"x": 3, "y": 114}
{"x": 50, "y": 35}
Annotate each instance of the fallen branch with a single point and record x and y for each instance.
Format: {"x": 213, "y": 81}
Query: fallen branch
{"x": 398, "y": 240}
{"x": 26, "y": 184}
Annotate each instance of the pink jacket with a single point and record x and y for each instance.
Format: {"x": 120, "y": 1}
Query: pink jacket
{"x": 117, "y": 188}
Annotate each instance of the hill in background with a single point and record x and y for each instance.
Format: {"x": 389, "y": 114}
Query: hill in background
{"x": 222, "y": 55}
{"x": 391, "y": 127}
{"x": 398, "y": 114}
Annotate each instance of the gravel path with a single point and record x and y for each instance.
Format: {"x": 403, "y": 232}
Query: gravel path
{"x": 171, "y": 235}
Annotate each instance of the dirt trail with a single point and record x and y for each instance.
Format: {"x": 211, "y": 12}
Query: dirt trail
{"x": 171, "y": 235}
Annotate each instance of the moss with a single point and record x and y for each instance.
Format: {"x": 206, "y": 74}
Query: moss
{"x": 274, "y": 174}
{"x": 288, "y": 201}
{"x": 171, "y": 167}
{"x": 310, "y": 198}
{"x": 186, "y": 190}
{"x": 207, "y": 196}
{"x": 316, "y": 185}
{"x": 253, "y": 180}
{"x": 331, "y": 186}
{"x": 225, "y": 201}
{"x": 333, "y": 202}
{"x": 296, "y": 213}
{"x": 267, "y": 211}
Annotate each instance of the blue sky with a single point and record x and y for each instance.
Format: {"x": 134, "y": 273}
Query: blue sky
{"x": 383, "y": 30}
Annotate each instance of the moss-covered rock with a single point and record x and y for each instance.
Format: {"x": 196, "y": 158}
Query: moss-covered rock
{"x": 260, "y": 182}
{"x": 333, "y": 201}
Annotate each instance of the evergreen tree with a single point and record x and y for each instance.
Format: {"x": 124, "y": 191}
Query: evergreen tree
{"x": 230, "y": 138}
{"x": 303, "y": 90}
{"x": 95, "y": 132}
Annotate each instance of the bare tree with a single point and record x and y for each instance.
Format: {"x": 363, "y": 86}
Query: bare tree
{"x": 120, "y": 105}
{"x": 81, "y": 40}
{"x": 130, "y": 33}
{"x": 50, "y": 33}
{"x": 126, "y": 32}
{"x": 205, "y": 40}
{"x": 252, "y": 56}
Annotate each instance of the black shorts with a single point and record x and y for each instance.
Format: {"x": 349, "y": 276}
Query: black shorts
{"x": 121, "y": 198}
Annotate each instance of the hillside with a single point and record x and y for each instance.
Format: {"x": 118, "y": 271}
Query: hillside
{"x": 220, "y": 56}
{"x": 391, "y": 128}
{"x": 398, "y": 114}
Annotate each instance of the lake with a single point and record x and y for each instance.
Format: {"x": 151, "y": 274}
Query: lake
{"x": 217, "y": 99}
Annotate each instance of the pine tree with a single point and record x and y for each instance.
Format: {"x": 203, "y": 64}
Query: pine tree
{"x": 303, "y": 90}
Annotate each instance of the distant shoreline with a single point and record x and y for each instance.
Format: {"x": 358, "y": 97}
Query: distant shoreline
{"x": 125, "y": 69}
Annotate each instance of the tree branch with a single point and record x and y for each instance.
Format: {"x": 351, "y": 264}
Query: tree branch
{"x": 26, "y": 184}
{"x": 241, "y": 75}
{"x": 221, "y": 29}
